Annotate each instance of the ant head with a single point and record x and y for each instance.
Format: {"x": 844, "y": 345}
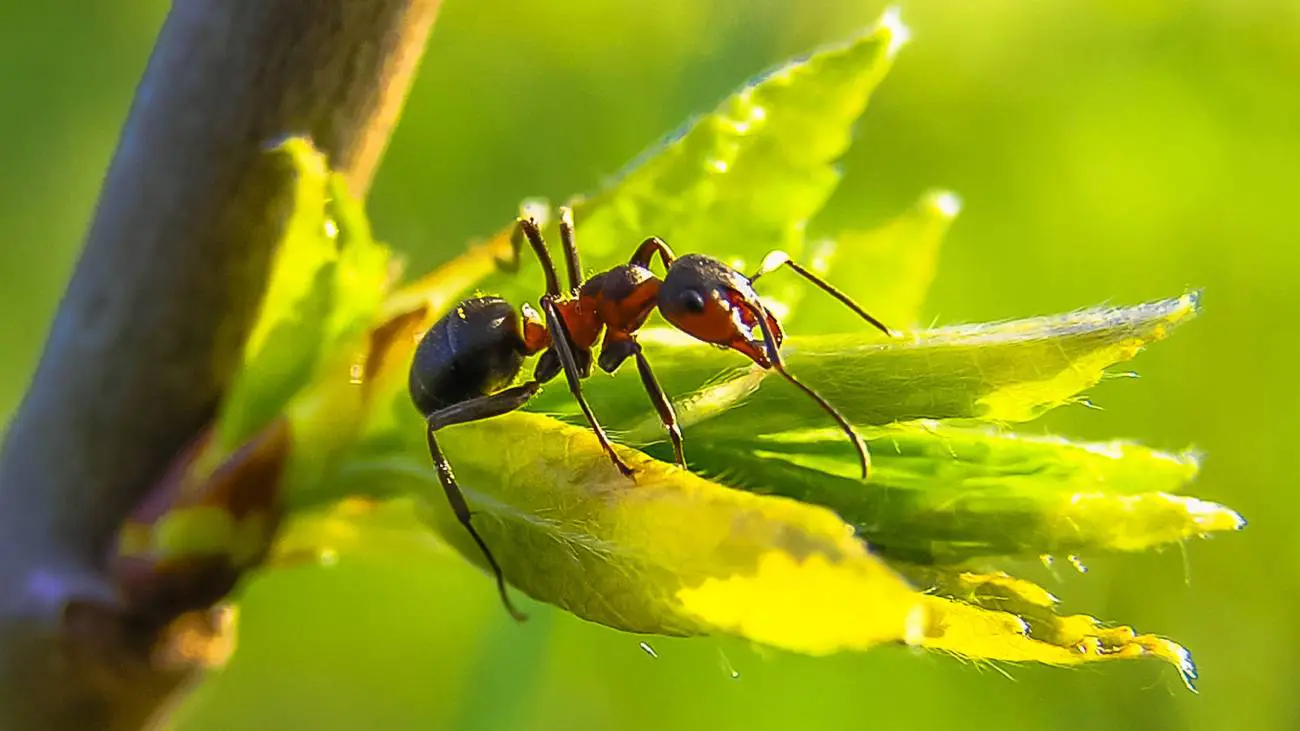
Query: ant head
{"x": 712, "y": 302}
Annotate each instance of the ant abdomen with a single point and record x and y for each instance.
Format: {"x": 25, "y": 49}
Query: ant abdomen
{"x": 474, "y": 350}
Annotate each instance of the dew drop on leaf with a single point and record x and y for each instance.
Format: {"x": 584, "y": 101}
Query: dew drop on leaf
{"x": 727, "y": 667}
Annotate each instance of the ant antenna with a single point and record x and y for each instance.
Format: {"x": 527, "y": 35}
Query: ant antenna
{"x": 527, "y": 227}
{"x": 774, "y": 356}
{"x": 571, "y": 260}
{"x": 774, "y": 261}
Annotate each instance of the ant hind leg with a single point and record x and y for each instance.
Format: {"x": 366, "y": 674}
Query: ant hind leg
{"x": 474, "y": 410}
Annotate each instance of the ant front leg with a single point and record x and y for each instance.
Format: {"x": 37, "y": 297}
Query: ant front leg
{"x": 562, "y": 342}
{"x": 476, "y": 409}
{"x": 778, "y": 364}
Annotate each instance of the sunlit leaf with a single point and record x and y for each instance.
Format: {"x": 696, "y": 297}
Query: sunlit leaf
{"x": 746, "y": 177}
{"x": 771, "y": 536}
{"x": 1007, "y": 372}
{"x": 947, "y": 493}
{"x": 327, "y": 282}
{"x": 670, "y": 553}
{"x": 887, "y": 269}
{"x": 295, "y": 404}
{"x": 286, "y": 341}
{"x": 1002, "y": 618}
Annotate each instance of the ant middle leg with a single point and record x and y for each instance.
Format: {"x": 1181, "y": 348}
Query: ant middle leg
{"x": 562, "y": 342}
{"x": 476, "y": 409}
{"x": 776, "y": 259}
{"x": 667, "y": 416}
{"x": 616, "y": 349}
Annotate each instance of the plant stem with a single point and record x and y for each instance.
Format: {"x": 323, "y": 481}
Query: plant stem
{"x": 150, "y": 329}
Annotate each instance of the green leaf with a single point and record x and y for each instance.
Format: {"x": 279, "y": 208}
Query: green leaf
{"x": 286, "y": 341}
{"x": 780, "y": 561}
{"x": 328, "y": 281}
{"x": 999, "y": 617}
{"x": 1005, "y": 372}
{"x": 944, "y": 493}
{"x": 294, "y": 405}
{"x": 670, "y": 553}
{"x": 363, "y": 270}
{"x": 746, "y": 177}
{"x": 892, "y": 268}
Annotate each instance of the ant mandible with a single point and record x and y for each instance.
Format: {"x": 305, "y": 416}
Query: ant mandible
{"x": 464, "y": 363}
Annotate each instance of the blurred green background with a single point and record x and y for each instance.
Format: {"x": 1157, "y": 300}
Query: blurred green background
{"x": 1106, "y": 151}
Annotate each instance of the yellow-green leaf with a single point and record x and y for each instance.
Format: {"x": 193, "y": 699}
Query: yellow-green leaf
{"x": 668, "y": 553}
{"x": 1002, "y": 618}
{"x": 282, "y": 350}
{"x": 745, "y": 177}
{"x": 888, "y": 269}
{"x": 1004, "y": 372}
{"x": 944, "y": 493}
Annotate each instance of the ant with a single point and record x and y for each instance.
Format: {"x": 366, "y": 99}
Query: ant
{"x": 464, "y": 363}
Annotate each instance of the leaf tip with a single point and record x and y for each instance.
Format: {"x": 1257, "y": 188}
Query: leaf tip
{"x": 943, "y": 203}
{"x": 896, "y": 32}
{"x": 1212, "y": 517}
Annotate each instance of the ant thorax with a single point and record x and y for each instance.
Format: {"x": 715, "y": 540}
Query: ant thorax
{"x": 623, "y": 296}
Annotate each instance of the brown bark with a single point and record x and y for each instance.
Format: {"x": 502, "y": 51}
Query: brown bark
{"x": 150, "y": 328}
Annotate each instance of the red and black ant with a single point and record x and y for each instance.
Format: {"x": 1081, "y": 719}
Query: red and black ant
{"x": 464, "y": 363}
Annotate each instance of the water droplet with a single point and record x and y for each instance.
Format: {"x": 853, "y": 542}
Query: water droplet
{"x": 649, "y": 650}
{"x": 727, "y": 667}
{"x": 538, "y": 209}
{"x": 331, "y": 229}
{"x": 739, "y": 127}
{"x": 1187, "y": 563}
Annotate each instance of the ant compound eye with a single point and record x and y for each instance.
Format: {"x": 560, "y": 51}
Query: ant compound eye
{"x": 693, "y": 301}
